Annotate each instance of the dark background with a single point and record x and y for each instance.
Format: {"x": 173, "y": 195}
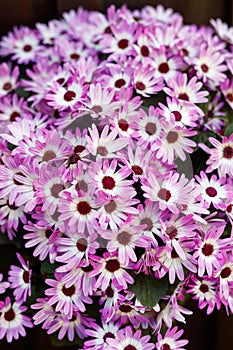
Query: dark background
{"x": 214, "y": 332}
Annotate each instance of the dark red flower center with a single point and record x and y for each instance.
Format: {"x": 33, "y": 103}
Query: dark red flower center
{"x": 130, "y": 347}
{"x": 73, "y": 159}
{"x": 97, "y": 109}
{"x": 26, "y": 276}
{"x": 124, "y": 237}
{"x": 56, "y": 189}
{"x": 83, "y": 208}
{"x": 48, "y": 155}
{"x": 172, "y": 137}
{"x": 229, "y": 208}
{"x": 68, "y": 291}
{"x": 164, "y": 68}
{"x": 125, "y": 308}
{"x": 108, "y": 182}
{"x": 60, "y": 81}
{"x": 145, "y": 51}
{"x": 164, "y": 194}
{"x": 228, "y": 152}
{"x": 108, "y": 335}
{"x": 207, "y": 249}
{"x": 140, "y": 85}
{"x": 123, "y": 124}
{"x": 74, "y": 56}
{"x": 13, "y": 116}
{"x": 119, "y": 83}
{"x": 123, "y": 43}
{"x": 81, "y": 185}
{"x": 183, "y": 96}
{"x": 225, "y": 272}
{"x": 9, "y": 315}
{"x": 109, "y": 292}
{"x": 69, "y": 95}
{"x": 171, "y": 232}
{"x": 102, "y": 150}
{"x": 204, "y": 288}
{"x": 204, "y": 68}
{"x": 81, "y": 244}
{"x": 27, "y": 48}
{"x": 211, "y": 191}
{"x": 110, "y": 207}
{"x": 112, "y": 265}
{"x": 178, "y": 116}
{"x": 151, "y": 128}
{"x": 79, "y": 148}
{"x": 229, "y": 96}
{"x": 7, "y": 86}
{"x": 88, "y": 268}
{"x": 148, "y": 222}
{"x": 137, "y": 170}
{"x": 166, "y": 347}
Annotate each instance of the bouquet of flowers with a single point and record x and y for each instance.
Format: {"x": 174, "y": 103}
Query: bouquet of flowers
{"x": 116, "y": 177}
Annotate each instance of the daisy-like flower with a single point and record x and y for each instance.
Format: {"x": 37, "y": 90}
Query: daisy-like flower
{"x": 209, "y": 248}
{"x": 8, "y": 78}
{"x": 173, "y": 143}
{"x": 145, "y": 82}
{"x": 186, "y": 90}
{"x": 221, "y": 156}
{"x": 12, "y": 108}
{"x": 223, "y": 30}
{"x": 209, "y": 65}
{"x": 65, "y": 299}
{"x": 46, "y": 313}
{"x": 22, "y": 43}
{"x": 205, "y": 291}
{"x": 124, "y": 242}
{"x": 227, "y": 89}
{"x": 3, "y": 285}
{"x": 111, "y": 182}
{"x": 169, "y": 191}
{"x": 12, "y": 320}
{"x": 171, "y": 341}
{"x": 100, "y": 335}
{"x": 127, "y": 340}
{"x": 224, "y": 274}
{"x": 20, "y": 279}
{"x": 109, "y": 270}
{"x": 147, "y": 126}
{"x": 214, "y": 190}
{"x": 106, "y": 144}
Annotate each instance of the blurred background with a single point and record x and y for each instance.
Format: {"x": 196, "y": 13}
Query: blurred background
{"x": 214, "y": 332}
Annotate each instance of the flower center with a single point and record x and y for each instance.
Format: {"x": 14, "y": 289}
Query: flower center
{"x": 125, "y": 308}
{"x": 27, "y": 48}
{"x": 228, "y": 152}
{"x": 48, "y": 155}
{"x": 140, "y": 86}
{"x": 145, "y": 51}
{"x": 88, "y": 268}
{"x": 69, "y": 95}
{"x": 68, "y": 291}
{"x": 123, "y": 124}
{"x": 79, "y": 148}
{"x": 183, "y": 96}
{"x": 229, "y": 208}
{"x": 97, "y": 109}
{"x": 9, "y": 315}
{"x": 164, "y": 194}
{"x": 229, "y": 96}
{"x": 60, "y": 81}
{"x": 123, "y": 43}
{"x": 74, "y": 56}
{"x": 102, "y": 150}
{"x": 110, "y": 207}
{"x": 7, "y": 86}
{"x": 124, "y": 237}
{"x": 164, "y": 68}
{"x": 204, "y": 68}
{"x": 26, "y": 276}
{"x": 109, "y": 292}
{"x": 207, "y": 249}
{"x": 112, "y": 265}
{"x": 108, "y": 335}
{"x": 73, "y": 159}
{"x": 172, "y": 137}
{"x": 225, "y": 272}
{"x": 148, "y": 222}
{"x": 83, "y": 208}
{"x": 178, "y": 116}
{"x": 119, "y": 83}
{"x": 108, "y": 183}
{"x": 56, "y": 189}
{"x": 81, "y": 244}
{"x": 137, "y": 170}
{"x": 166, "y": 347}
{"x": 211, "y": 191}
{"x": 13, "y": 116}
{"x": 81, "y": 185}
{"x": 204, "y": 288}
{"x": 150, "y": 128}
{"x": 130, "y": 347}
{"x": 171, "y": 232}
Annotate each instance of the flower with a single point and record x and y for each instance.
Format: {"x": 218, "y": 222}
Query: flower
{"x": 170, "y": 340}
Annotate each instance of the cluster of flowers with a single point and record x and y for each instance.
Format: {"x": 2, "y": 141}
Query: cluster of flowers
{"x": 105, "y": 121}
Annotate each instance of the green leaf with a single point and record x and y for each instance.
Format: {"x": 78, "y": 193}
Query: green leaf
{"x": 229, "y": 115}
{"x": 229, "y": 130}
{"x": 64, "y": 342}
{"x": 47, "y": 268}
{"x": 21, "y": 92}
{"x": 148, "y": 289}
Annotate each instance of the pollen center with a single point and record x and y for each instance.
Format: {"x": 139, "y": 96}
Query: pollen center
{"x": 124, "y": 237}
{"x": 112, "y": 265}
{"x": 164, "y": 194}
{"x": 81, "y": 244}
{"x": 228, "y": 152}
{"x": 9, "y": 315}
{"x": 172, "y": 137}
{"x": 69, "y": 95}
{"x": 207, "y": 249}
{"x": 164, "y": 68}
{"x": 108, "y": 182}
{"x": 211, "y": 191}
{"x": 68, "y": 291}
{"x": 150, "y": 128}
{"x": 178, "y": 116}
{"x": 83, "y": 208}
{"x": 56, "y": 189}
{"x": 110, "y": 207}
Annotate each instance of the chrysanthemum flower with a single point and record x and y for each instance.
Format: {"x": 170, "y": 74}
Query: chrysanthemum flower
{"x": 100, "y": 335}
{"x": 12, "y": 321}
{"x": 145, "y": 82}
{"x": 8, "y": 78}
{"x": 170, "y": 340}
